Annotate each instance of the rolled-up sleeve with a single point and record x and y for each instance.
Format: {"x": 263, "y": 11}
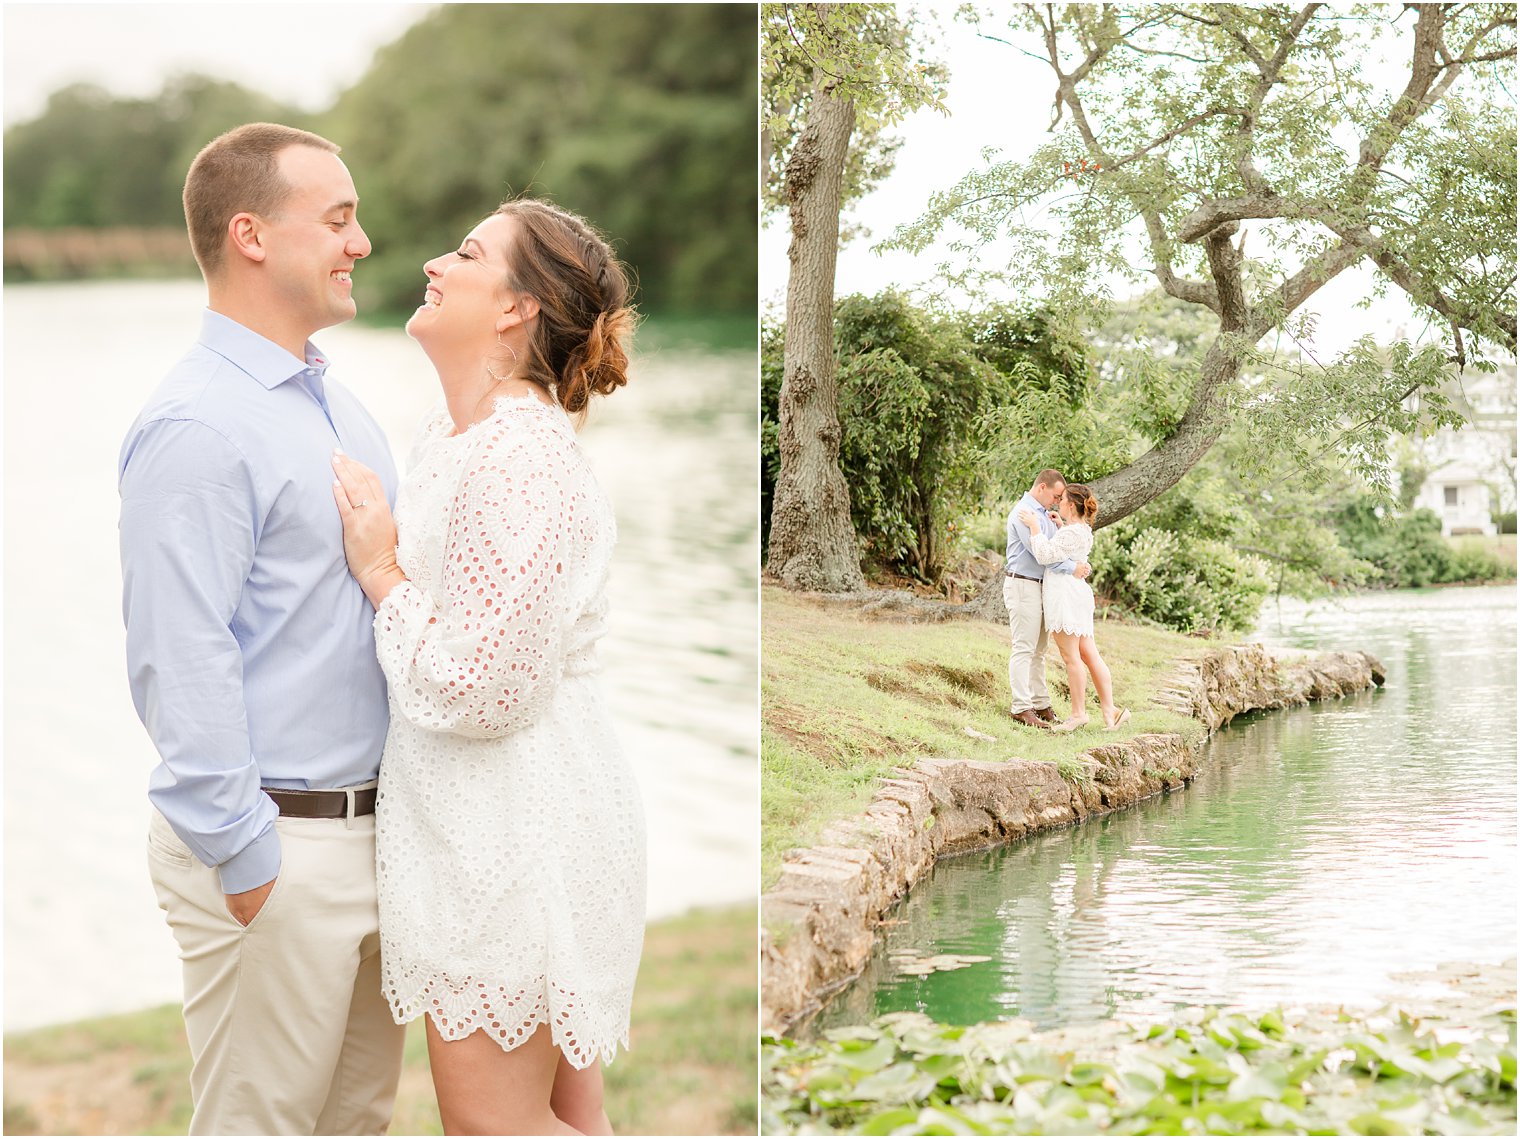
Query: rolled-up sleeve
{"x": 189, "y": 527}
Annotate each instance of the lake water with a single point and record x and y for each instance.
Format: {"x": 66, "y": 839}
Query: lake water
{"x": 1323, "y": 853}
{"x": 677, "y": 453}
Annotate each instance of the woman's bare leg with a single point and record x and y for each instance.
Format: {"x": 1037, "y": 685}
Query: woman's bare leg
{"x": 577, "y": 1098}
{"x": 1103, "y": 681}
{"x": 1076, "y": 675}
{"x": 485, "y": 1090}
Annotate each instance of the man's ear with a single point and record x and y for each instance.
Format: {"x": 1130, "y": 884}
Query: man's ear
{"x": 243, "y": 231}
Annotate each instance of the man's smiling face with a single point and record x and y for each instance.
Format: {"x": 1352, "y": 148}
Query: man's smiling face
{"x": 315, "y": 239}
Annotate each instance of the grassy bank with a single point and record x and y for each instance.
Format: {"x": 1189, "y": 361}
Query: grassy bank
{"x": 846, "y": 697}
{"x": 690, "y": 1069}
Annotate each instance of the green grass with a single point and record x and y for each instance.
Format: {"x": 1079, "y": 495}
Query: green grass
{"x": 690, "y": 1069}
{"x": 845, "y": 698}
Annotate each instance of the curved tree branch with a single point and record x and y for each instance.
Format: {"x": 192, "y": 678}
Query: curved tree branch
{"x": 1301, "y": 286}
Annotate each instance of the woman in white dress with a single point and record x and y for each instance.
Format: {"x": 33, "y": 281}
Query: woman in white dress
{"x": 510, "y": 836}
{"x": 1068, "y": 605}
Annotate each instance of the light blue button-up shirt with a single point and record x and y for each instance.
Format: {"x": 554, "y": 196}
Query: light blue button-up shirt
{"x": 250, "y": 647}
{"x": 1020, "y": 560}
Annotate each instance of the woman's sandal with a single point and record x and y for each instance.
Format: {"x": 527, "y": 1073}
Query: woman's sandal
{"x": 1120, "y": 721}
{"x": 1068, "y": 725}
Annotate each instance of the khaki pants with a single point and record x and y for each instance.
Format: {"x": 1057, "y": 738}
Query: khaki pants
{"x": 1026, "y": 663}
{"x": 288, "y": 1029}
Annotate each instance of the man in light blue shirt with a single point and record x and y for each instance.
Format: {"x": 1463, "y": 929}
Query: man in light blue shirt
{"x": 252, "y": 660}
{"x": 1022, "y": 585}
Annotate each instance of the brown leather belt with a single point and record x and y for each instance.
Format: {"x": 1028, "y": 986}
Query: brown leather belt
{"x": 321, "y": 804}
{"x": 1021, "y": 576}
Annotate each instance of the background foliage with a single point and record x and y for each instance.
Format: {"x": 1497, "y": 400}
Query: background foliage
{"x": 641, "y": 117}
{"x": 918, "y": 391}
{"x": 947, "y": 417}
{"x": 92, "y": 159}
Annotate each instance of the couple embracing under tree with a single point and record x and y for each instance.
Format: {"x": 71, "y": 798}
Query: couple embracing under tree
{"x": 1045, "y": 588}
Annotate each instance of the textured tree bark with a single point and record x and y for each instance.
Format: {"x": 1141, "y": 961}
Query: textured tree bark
{"x": 812, "y": 543}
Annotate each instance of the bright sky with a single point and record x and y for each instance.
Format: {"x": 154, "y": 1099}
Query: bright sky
{"x": 1002, "y": 98}
{"x": 300, "y": 53}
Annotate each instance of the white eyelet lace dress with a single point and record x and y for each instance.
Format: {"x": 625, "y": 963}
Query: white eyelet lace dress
{"x": 1068, "y": 600}
{"x": 509, "y": 829}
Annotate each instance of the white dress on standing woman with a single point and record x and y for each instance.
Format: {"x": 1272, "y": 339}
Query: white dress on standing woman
{"x": 1068, "y": 600}
{"x": 509, "y": 829}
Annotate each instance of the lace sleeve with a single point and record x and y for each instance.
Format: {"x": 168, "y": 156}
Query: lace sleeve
{"x": 1067, "y": 544}
{"x": 482, "y": 654}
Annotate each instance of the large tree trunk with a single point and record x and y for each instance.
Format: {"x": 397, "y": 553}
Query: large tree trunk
{"x": 813, "y": 544}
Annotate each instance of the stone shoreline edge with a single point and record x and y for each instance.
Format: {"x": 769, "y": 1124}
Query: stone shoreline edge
{"x": 818, "y": 924}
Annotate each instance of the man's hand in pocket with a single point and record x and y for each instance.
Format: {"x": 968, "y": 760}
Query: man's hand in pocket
{"x": 245, "y": 907}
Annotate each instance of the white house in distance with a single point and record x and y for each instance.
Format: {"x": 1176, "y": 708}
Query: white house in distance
{"x": 1459, "y": 495}
{"x": 1470, "y": 465}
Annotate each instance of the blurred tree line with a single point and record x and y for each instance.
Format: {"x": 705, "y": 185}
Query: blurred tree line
{"x": 640, "y": 117}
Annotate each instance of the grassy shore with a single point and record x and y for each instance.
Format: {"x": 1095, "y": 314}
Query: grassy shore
{"x": 845, "y": 698}
{"x": 690, "y": 1069}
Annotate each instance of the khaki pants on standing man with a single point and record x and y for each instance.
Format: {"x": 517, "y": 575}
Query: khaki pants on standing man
{"x": 289, "y": 1031}
{"x": 1026, "y": 663}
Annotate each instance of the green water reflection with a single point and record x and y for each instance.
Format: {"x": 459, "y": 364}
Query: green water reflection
{"x": 1322, "y": 852}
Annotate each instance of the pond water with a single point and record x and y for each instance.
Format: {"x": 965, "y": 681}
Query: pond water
{"x": 1323, "y": 853}
{"x": 676, "y": 452}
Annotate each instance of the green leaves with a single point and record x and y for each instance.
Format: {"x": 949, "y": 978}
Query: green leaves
{"x": 639, "y": 118}
{"x": 920, "y": 395}
{"x": 1205, "y": 1072}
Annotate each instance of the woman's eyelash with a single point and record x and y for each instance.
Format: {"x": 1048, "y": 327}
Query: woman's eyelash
{"x": 466, "y": 256}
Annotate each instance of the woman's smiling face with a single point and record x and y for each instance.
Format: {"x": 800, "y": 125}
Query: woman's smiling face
{"x": 465, "y": 294}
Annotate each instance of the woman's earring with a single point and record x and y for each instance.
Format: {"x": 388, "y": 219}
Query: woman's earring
{"x": 509, "y": 348}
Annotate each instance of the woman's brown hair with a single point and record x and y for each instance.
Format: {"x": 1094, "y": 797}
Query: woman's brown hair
{"x": 580, "y": 346}
{"x": 1082, "y": 498}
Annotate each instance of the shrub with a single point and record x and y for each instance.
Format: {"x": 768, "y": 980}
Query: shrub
{"x": 1409, "y": 551}
{"x": 1189, "y": 583}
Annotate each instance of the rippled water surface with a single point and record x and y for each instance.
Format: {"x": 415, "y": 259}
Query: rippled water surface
{"x": 1322, "y": 852}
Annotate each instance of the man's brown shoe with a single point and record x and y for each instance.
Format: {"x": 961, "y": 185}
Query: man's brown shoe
{"x": 1048, "y": 714}
{"x": 1029, "y": 720}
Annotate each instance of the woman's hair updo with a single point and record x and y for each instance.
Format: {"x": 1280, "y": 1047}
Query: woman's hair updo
{"x": 1081, "y": 498}
{"x": 580, "y": 346}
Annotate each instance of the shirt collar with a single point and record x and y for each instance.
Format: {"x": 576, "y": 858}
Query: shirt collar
{"x": 261, "y": 358}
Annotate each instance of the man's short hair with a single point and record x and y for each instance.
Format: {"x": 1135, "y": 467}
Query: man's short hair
{"x": 1048, "y": 477}
{"x": 236, "y": 172}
